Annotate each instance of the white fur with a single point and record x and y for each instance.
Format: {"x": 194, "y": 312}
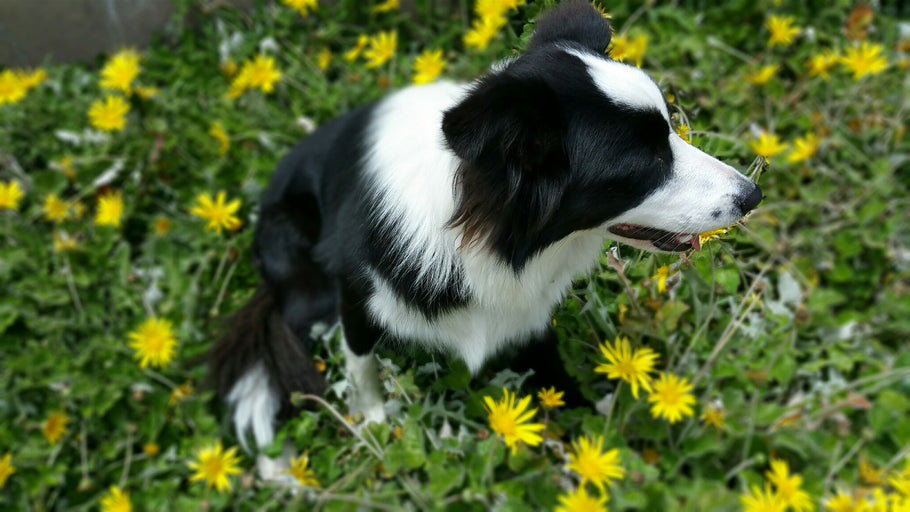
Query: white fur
{"x": 366, "y": 397}
{"x": 623, "y": 84}
{"x": 255, "y": 406}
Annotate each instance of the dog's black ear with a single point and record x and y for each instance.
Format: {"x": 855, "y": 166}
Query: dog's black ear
{"x": 505, "y": 121}
{"x": 575, "y": 22}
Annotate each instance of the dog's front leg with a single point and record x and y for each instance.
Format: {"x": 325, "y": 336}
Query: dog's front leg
{"x": 360, "y": 335}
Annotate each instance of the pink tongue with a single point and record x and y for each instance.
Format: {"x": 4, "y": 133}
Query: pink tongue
{"x": 696, "y": 242}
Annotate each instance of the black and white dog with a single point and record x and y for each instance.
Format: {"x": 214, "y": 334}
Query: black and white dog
{"x": 455, "y": 216}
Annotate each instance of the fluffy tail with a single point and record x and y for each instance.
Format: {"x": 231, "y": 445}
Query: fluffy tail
{"x": 257, "y": 364}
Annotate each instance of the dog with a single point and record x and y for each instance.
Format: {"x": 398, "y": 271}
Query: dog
{"x": 455, "y": 216}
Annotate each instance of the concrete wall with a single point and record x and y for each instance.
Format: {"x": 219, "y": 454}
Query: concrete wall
{"x": 32, "y": 31}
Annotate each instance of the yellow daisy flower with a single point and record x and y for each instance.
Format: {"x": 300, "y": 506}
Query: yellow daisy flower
{"x": 767, "y": 145}
{"x": 841, "y": 502}
{"x": 55, "y": 210}
{"x": 781, "y": 30}
{"x": 179, "y": 394}
{"x": 623, "y": 48}
{"x": 380, "y": 48}
{"x": 428, "y": 66}
{"x": 589, "y": 461}
{"x": 624, "y": 363}
{"x": 216, "y": 131}
{"x": 120, "y": 70}
{"x": 579, "y": 501}
{"x": 110, "y": 209}
{"x": 482, "y": 31}
{"x": 304, "y": 476}
{"x": 707, "y": 236}
{"x": 12, "y": 90}
{"x": 54, "y": 427}
{"x": 10, "y": 195}
{"x": 683, "y": 132}
{"x": 214, "y": 466}
{"x": 671, "y": 398}
{"x": 865, "y": 59}
{"x": 788, "y": 487}
{"x": 108, "y": 115}
{"x": 146, "y": 93}
{"x": 661, "y": 276}
{"x": 324, "y": 59}
{"x": 550, "y": 399}
{"x": 154, "y": 343}
{"x": 714, "y": 416}
{"x": 301, "y": 6}
{"x": 759, "y": 500}
{"x": 803, "y": 148}
{"x": 763, "y": 75}
{"x": 510, "y": 420}
{"x": 495, "y": 8}
{"x": 162, "y": 226}
{"x": 31, "y": 79}
{"x": 219, "y": 213}
{"x": 116, "y": 501}
{"x": 6, "y": 468}
{"x": 820, "y": 64}
{"x": 388, "y": 5}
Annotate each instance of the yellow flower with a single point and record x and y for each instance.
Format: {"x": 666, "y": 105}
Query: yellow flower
{"x": 228, "y": 68}
{"x": 550, "y": 399}
{"x": 628, "y": 365}
{"x": 305, "y": 477}
{"x": 259, "y": 73}
{"x": 803, "y": 148}
{"x": 220, "y": 215}
{"x": 495, "y": 8}
{"x": 788, "y": 487}
{"x": 671, "y": 397}
{"x": 179, "y": 394}
{"x": 12, "y": 90}
{"x": 579, "y": 501}
{"x": 901, "y": 479}
{"x": 683, "y": 132}
{"x": 781, "y": 30}
{"x": 602, "y": 10}
{"x": 714, "y": 416}
{"x": 841, "y": 502}
{"x": 65, "y": 166}
{"x": 624, "y": 48}
{"x": 54, "y": 427}
{"x": 55, "y": 210}
{"x": 217, "y": 132}
{"x": 482, "y": 31}
{"x": 120, "y": 70}
{"x": 78, "y": 209}
{"x": 388, "y": 5}
{"x": 214, "y": 466}
{"x": 116, "y": 501}
{"x": 6, "y": 468}
{"x": 707, "y": 236}
{"x": 324, "y": 59}
{"x": 380, "y": 48}
{"x": 64, "y": 242}
{"x": 352, "y": 54}
{"x": 428, "y": 66}
{"x": 663, "y": 273}
{"x": 150, "y": 449}
{"x": 146, "y": 92}
{"x": 763, "y": 75}
{"x": 30, "y": 80}
{"x": 589, "y": 461}
{"x": 820, "y": 64}
{"x": 10, "y": 195}
{"x": 110, "y": 209}
{"x": 301, "y": 6}
{"x": 154, "y": 343}
{"x": 865, "y": 59}
{"x": 162, "y": 226}
{"x": 108, "y": 115}
{"x": 767, "y": 145}
{"x": 510, "y": 420}
{"x": 869, "y": 474}
{"x": 762, "y": 501}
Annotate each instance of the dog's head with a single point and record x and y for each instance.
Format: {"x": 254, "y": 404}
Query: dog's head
{"x": 564, "y": 139}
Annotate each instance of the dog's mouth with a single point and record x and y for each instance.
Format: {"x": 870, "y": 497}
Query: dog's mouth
{"x": 663, "y": 240}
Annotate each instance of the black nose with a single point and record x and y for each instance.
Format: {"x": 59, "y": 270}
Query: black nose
{"x": 747, "y": 202}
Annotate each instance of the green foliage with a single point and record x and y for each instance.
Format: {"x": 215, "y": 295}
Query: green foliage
{"x": 795, "y": 325}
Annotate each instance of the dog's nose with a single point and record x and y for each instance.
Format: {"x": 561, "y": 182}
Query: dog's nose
{"x": 747, "y": 202}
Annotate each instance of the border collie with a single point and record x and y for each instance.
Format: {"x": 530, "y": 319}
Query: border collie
{"x": 455, "y": 216}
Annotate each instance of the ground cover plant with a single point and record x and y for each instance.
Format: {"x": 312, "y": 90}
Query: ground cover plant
{"x": 767, "y": 372}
